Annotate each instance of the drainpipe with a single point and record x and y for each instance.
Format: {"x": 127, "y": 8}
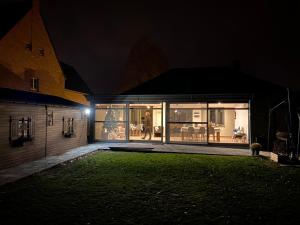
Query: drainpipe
{"x": 46, "y": 134}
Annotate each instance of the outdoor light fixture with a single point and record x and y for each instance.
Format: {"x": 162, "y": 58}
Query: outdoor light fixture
{"x": 87, "y": 111}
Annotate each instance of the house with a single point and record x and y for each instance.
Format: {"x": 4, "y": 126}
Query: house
{"x": 43, "y": 101}
{"x": 206, "y": 105}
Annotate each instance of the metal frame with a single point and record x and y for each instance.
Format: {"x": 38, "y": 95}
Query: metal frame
{"x": 151, "y": 102}
{"x": 168, "y": 122}
{"x": 102, "y": 121}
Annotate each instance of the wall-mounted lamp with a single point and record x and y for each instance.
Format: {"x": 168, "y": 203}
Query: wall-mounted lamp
{"x": 87, "y": 111}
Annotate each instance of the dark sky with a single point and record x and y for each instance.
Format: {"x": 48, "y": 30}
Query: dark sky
{"x": 96, "y": 36}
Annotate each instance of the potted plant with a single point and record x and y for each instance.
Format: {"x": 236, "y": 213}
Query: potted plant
{"x": 256, "y": 148}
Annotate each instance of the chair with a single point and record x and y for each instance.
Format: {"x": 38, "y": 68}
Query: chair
{"x": 157, "y": 131}
{"x": 190, "y": 132}
{"x": 211, "y": 131}
{"x": 239, "y": 134}
{"x": 202, "y": 133}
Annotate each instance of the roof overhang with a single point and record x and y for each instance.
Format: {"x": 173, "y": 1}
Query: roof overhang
{"x": 172, "y": 98}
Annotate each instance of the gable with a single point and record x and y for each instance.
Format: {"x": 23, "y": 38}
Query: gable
{"x": 17, "y": 58}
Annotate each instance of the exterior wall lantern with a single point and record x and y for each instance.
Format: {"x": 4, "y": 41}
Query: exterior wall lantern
{"x": 87, "y": 111}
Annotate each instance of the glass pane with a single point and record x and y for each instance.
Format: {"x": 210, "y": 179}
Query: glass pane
{"x": 110, "y": 115}
{"x": 188, "y": 112}
{"x": 146, "y": 106}
{"x": 145, "y": 123}
{"x": 188, "y": 132}
{"x": 188, "y": 115}
{"x": 228, "y": 126}
{"x": 229, "y": 105}
{"x": 195, "y": 105}
{"x": 110, "y": 131}
{"x": 106, "y": 106}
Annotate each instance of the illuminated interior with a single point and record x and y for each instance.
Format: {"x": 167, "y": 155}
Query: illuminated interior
{"x": 110, "y": 122}
{"x": 209, "y": 123}
{"x": 199, "y": 122}
{"x": 137, "y": 126}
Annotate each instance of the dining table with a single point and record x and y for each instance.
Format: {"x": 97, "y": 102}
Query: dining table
{"x": 184, "y": 132}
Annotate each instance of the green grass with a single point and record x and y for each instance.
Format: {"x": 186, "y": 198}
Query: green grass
{"x": 153, "y": 188}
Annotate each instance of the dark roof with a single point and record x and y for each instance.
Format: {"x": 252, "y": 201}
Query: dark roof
{"x": 73, "y": 79}
{"x": 204, "y": 80}
{"x": 11, "y": 13}
{"x": 33, "y": 97}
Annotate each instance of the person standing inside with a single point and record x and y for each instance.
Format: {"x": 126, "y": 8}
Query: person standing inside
{"x": 147, "y": 125}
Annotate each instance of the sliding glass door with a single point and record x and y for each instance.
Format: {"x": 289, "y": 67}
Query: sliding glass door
{"x": 193, "y": 122}
{"x": 145, "y": 122}
{"x": 188, "y": 123}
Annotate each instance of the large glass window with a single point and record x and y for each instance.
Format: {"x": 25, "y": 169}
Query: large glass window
{"x": 188, "y": 122}
{"x": 110, "y": 122}
{"x": 228, "y": 123}
{"x": 197, "y": 122}
{"x": 145, "y": 122}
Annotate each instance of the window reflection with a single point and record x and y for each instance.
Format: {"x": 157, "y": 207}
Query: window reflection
{"x": 110, "y": 122}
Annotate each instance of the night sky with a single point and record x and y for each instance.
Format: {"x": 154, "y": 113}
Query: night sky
{"x": 97, "y": 36}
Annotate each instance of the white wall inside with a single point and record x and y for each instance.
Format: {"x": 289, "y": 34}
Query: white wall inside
{"x": 234, "y": 119}
{"x": 227, "y": 130}
{"x": 157, "y": 117}
{"x": 242, "y": 120}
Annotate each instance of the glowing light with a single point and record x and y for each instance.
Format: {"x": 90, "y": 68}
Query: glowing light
{"x": 148, "y": 107}
{"x": 219, "y": 103}
{"x": 87, "y": 111}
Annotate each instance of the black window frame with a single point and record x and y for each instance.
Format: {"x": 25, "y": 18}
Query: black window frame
{"x": 68, "y": 127}
{"x": 21, "y": 129}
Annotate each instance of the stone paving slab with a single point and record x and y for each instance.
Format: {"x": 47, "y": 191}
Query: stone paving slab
{"x": 172, "y": 148}
{"x": 15, "y": 173}
{"x": 27, "y": 169}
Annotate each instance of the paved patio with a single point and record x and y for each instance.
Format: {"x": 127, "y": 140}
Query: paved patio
{"x": 27, "y": 169}
{"x": 172, "y": 148}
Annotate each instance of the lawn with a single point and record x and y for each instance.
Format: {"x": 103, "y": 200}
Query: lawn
{"x": 154, "y": 188}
